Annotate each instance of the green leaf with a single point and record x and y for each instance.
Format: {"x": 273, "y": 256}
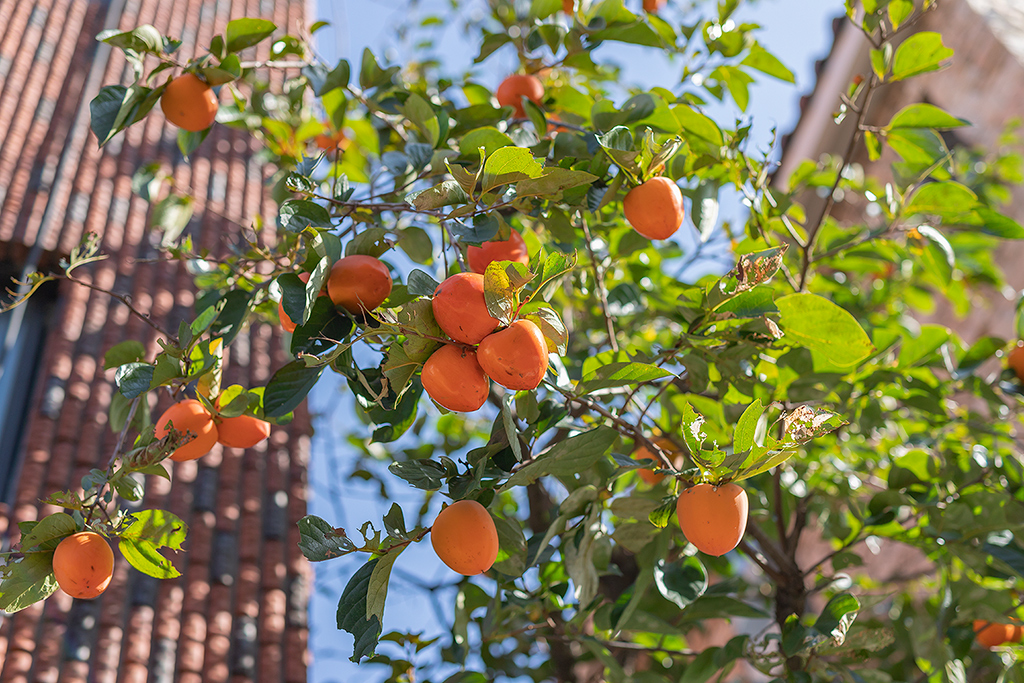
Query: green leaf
{"x": 552, "y": 181}
{"x": 947, "y": 199}
{"x": 145, "y": 38}
{"x": 49, "y": 532}
{"x": 681, "y": 582}
{"x": 918, "y": 54}
{"x": 352, "y": 613}
{"x": 104, "y": 109}
{"x": 488, "y": 137}
{"x": 319, "y": 541}
{"x": 767, "y": 63}
{"x": 552, "y": 327}
{"x": 421, "y": 284}
{"x": 509, "y": 165}
{"x": 323, "y": 330}
{"x": 502, "y": 282}
{"x": 421, "y": 114}
{"x": 288, "y": 387}
{"x": 816, "y": 323}
{"x": 27, "y": 581}
{"x": 447, "y": 193}
{"x": 188, "y": 141}
{"x": 511, "y": 558}
{"x": 509, "y": 423}
{"x": 337, "y": 78}
{"x": 620, "y": 375}
{"x": 743, "y": 434}
{"x": 150, "y": 531}
{"x": 171, "y": 215}
{"x": 924, "y": 115}
{"x": 377, "y": 588}
{"x": 246, "y": 32}
{"x": 702, "y": 667}
{"x": 422, "y": 474}
{"x": 837, "y": 617}
{"x": 696, "y": 123}
{"x": 491, "y": 42}
{"x": 899, "y": 10}
{"x": 133, "y": 379}
{"x": 298, "y": 214}
{"x": 576, "y": 454}
{"x": 124, "y": 352}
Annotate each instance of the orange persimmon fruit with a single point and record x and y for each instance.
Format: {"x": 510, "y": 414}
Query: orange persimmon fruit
{"x": 465, "y": 538}
{"x": 359, "y": 283}
{"x": 655, "y": 208}
{"x": 83, "y": 564}
{"x": 189, "y": 416}
{"x": 189, "y": 103}
{"x": 713, "y": 518}
{"x": 515, "y": 357}
{"x": 512, "y": 249}
{"x": 992, "y": 634}
{"x": 1015, "y": 359}
{"x": 460, "y": 309}
{"x": 241, "y": 431}
{"x": 515, "y": 87}
{"x": 453, "y": 378}
{"x": 653, "y": 6}
{"x": 651, "y": 477}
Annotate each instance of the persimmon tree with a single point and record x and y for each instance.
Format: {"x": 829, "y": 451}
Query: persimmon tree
{"x": 797, "y": 398}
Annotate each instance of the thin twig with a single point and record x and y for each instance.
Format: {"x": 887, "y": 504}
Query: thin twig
{"x": 816, "y": 225}
{"x": 124, "y": 300}
{"x": 602, "y": 294}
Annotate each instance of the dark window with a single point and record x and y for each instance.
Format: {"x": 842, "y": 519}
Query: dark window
{"x": 22, "y": 335}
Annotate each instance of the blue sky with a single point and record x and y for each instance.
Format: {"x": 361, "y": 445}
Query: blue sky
{"x": 797, "y": 31}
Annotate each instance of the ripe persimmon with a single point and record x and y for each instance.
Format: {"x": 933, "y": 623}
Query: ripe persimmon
{"x": 651, "y": 477}
{"x": 331, "y": 140}
{"x": 465, "y": 538}
{"x": 189, "y": 103}
{"x": 83, "y": 564}
{"x": 992, "y": 634}
{"x": 1015, "y": 359}
{"x": 655, "y": 208}
{"x": 567, "y": 6}
{"x": 713, "y": 518}
{"x": 515, "y": 357}
{"x": 453, "y": 378}
{"x": 189, "y": 416}
{"x": 241, "y": 431}
{"x": 515, "y": 87}
{"x": 460, "y": 309}
{"x": 286, "y": 322}
{"x": 512, "y": 249}
{"x": 653, "y": 6}
{"x": 359, "y": 283}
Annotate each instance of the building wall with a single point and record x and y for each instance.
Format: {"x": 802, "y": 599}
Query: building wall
{"x": 983, "y": 84}
{"x": 239, "y": 610}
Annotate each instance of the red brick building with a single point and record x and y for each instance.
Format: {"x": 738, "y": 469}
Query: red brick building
{"x": 238, "y": 612}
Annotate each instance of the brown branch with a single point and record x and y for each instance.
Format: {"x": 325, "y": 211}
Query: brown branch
{"x": 816, "y": 225}
{"x": 602, "y": 294}
{"x": 126, "y": 300}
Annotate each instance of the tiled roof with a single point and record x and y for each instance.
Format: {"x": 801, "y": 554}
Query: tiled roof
{"x": 239, "y": 611}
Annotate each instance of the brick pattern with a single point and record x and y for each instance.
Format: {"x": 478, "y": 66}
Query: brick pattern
{"x": 238, "y": 611}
